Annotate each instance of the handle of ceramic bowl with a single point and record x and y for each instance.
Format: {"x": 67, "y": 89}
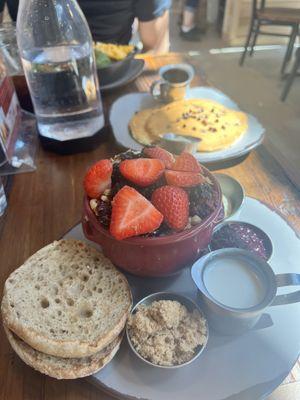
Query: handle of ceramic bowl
{"x": 87, "y": 228}
{"x": 287, "y": 280}
{"x": 157, "y": 91}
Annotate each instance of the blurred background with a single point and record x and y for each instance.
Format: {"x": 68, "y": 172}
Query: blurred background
{"x": 257, "y": 86}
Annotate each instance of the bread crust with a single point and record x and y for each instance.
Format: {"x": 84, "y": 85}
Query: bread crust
{"x": 66, "y": 348}
{"x": 63, "y": 368}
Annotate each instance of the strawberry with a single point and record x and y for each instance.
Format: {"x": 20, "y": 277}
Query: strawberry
{"x": 186, "y": 162}
{"x": 98, "y": 178}
{"x": 161, "y": 154}
{"x": 132, "y": 214}
{"x": 183, "y": 179}
{"x": 173, "y": 203}
{"x": 142, "y": 171}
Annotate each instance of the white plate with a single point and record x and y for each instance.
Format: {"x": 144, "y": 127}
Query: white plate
{"x": 124, "y": 108}
{"x": 246, "y": 367}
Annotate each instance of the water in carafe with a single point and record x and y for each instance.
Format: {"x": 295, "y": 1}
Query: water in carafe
{"x": 60, "y": 69}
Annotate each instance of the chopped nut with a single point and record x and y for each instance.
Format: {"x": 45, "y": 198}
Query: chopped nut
{"x": 195, "y": 220}
{"x": 104, "y": 198}
{"x": 189, "y": 225}
{"x": 93, "y": 205}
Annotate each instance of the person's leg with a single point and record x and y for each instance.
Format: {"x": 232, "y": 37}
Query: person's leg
{"x": 189, "y": 31}
{"x": 188, "y": 17}
{"x": 12, "y": 6}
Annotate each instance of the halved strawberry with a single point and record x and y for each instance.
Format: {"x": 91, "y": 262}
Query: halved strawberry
{"x": 132, "y": 214}
{"x": 173, "y": 203}
{"x": 98, "y": 178}
{"x": 142, "y": 171}
{"x": 186, "y": 162}
{"x": 161, "y": 154}
{"x": 183, "y": 179}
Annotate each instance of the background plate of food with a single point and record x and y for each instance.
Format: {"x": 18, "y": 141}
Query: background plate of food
{"x": 116, "y": 64}
{"x": 206, "y": 114}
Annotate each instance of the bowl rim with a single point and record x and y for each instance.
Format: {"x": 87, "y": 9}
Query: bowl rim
{"x": 160, "y": 240}
{"x": 238, "y": 184}
{"x": 178, "y": 297}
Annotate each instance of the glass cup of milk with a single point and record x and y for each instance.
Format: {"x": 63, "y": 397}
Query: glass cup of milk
{"x": 236, "y": 287}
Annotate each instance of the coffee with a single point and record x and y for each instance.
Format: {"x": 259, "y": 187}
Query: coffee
{"x": 173, "y": 83}
{"x": 175, "y": 75}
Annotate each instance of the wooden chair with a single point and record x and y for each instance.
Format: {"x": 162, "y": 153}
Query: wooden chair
{"x": 291, "y": 76}
{"x": 270, "y": 16}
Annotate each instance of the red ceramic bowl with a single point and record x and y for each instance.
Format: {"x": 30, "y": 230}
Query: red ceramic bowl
{"x": 155, "y": 256}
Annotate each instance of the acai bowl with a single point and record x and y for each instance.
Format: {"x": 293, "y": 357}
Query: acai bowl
{"x": 151, "y": 218}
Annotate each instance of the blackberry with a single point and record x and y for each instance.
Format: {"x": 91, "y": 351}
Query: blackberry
{"x": 117, "y": 182}
{"x": 163, "y": 230}
{"x": 148, "y": 191}
{"x": 104, "y": 213}
{"x": 203, "y": 200}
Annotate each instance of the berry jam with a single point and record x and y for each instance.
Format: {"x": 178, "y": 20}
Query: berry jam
{"x": 241, "y": 236}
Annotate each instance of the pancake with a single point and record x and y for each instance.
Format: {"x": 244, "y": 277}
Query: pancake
{"x": 217, "y": 126}
{"x": 137, "y": 126}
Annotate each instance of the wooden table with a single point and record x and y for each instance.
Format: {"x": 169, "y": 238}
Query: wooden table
{"x": 43, "y": 205}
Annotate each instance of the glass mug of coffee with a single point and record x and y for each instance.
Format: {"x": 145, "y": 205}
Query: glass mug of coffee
{"x": 173, "y": 83}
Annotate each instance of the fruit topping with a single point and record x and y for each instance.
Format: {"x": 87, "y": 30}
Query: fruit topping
{"x": 142, "y": 171}
{"x": 173, "y": 203}
{"x": 132, "y": 214}
{"x": 186, "y": 162}
{"x": 103, "y": 212}
{"x": 161, "y": 154}
{"x": 98, "y": 178}
{"x": 203, "y": 200}
{"x": 183, "y": 179}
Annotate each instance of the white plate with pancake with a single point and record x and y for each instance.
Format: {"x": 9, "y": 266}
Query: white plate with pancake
{"x": 126, "y": 106}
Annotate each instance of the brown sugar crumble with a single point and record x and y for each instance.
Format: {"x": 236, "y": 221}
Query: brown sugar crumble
{"x": 166, "y": 333}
